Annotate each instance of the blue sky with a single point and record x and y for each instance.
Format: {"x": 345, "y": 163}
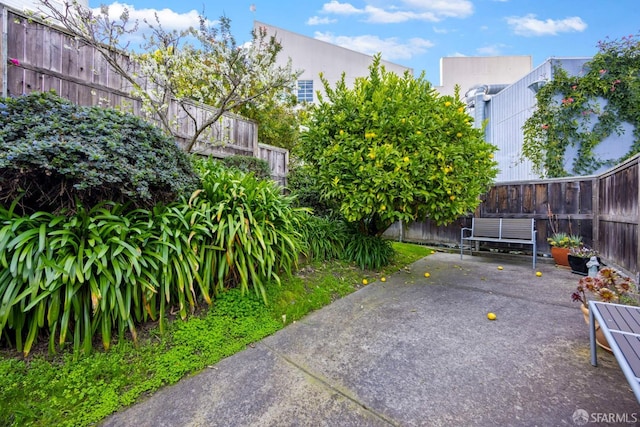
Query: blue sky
{"x": 417, "y": 33}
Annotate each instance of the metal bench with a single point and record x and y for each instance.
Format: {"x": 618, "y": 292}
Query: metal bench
{"x": 500, "y": 230}
{"x": 621, "y": 326}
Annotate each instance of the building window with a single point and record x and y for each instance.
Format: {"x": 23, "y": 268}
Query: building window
{"x": 305, "y": 90}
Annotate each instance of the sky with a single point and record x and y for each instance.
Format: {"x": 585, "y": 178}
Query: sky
{"x": 417, "y": 33}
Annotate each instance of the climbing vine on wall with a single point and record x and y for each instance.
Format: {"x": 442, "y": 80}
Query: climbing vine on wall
{"x": 581, "y": 111}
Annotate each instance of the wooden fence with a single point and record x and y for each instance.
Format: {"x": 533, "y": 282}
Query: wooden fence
{"x": 39, "y": 57}
{"x": 603, "y": 209}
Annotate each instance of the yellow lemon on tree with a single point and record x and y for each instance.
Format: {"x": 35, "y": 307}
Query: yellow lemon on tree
{"x": 538, "y": 273}
{"x": 427, "y": 275}
{"x": 491, "y": 316}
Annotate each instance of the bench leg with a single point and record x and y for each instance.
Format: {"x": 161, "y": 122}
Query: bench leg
{"x": 592, "y": 338}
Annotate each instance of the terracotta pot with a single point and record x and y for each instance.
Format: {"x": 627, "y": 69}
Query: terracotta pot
{"x": 560, "y": 256}
{"x": 601, "y": 340}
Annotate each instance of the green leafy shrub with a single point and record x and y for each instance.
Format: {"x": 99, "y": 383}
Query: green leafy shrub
{"x": 303, "y": 185}
{"x": 247, "y": 164}
{"x": 369, "y": 252}
{"x": 325, "y": 239}
{"x": 75, "y": 276}
{"x": 57, "y": 154}
{"x": 255, "y": 225}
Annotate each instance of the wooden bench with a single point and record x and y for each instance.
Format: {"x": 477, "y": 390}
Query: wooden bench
{"x": 621, "y": 326}
{"x": 500, "y": 230}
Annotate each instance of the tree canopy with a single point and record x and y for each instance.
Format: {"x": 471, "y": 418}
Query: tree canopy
{"x": 203, "y": 65}
{"x": 390, "y": 148}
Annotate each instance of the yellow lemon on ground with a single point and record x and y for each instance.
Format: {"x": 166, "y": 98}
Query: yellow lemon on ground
{"x": 433, "y": 252}
{"x": 383, "y": 279}
{"x": 365, "y": 281}
{"x": 538, "y": 273}
{"x": 499, "y": 267}
{"x": 427, "y": 275}
{"x": 491, "y": 316}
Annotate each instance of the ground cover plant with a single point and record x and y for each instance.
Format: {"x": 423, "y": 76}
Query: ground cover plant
{"x": 45, "y": 390}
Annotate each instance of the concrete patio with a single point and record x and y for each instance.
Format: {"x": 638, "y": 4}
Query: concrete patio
{"x": 416, "y": 351}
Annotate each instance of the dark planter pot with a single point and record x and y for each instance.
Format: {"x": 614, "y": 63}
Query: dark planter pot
{"x": 579, "y": 264}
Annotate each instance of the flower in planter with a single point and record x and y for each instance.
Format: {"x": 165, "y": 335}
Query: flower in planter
{"x": 564, "y": 240}
{"x": 608, "y": 286}
{"x": 583, "y": 252}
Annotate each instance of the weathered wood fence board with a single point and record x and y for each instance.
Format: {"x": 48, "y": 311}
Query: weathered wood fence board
{"x": 277, "y": 159}
{"x": 50, "y": 59}
{"x": 617, "y": 215}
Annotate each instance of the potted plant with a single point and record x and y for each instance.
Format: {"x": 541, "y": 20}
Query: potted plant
{"x": 561, "y": 243}
{"x": 579, "y": 258}
{"x": 609, "y": 286}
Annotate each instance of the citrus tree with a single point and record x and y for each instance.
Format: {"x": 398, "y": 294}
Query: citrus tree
{"x": 390, "y": 148}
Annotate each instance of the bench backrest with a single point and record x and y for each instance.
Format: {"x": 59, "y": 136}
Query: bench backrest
{"x": 504, "y": 228}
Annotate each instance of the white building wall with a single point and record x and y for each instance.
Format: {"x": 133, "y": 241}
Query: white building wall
{"x": 469, "y": 71}
{"x": 313, "y": 57}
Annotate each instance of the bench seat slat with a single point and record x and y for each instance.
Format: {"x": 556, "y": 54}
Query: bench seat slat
{"x": 621, "y": 327}
{"x": 620, "y": 318}
{"x": 630, "y": 347}
{"x": 495, "y": 240}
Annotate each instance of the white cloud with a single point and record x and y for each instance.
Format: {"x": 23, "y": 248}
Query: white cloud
{"x": 409, "y": 10}
{"x": 169, "y": 19}
{"x": 443, "y": 8}
{"x": 390, "y": 48}
{"x": 316, "y": 20}
{"x": 491, "y": 50}
{"x": 338, "y": 8}
{"x": 441, "y": 30}
{"x": 381, "y": 16}
{"x": 529, "y": 25}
